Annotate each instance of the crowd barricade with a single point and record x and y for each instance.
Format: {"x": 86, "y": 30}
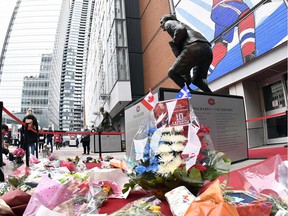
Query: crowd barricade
{"x": 104, "y": 142}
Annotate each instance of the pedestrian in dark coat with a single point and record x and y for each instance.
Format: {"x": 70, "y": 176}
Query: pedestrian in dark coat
{"x": 85, "y": 140}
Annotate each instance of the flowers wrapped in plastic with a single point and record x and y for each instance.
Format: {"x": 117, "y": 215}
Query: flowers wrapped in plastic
{"x": 19, "y": 153}
{"x": 145, "y": 206}
{"x": 172, "y": 149}
{"x": 269, "y": 179}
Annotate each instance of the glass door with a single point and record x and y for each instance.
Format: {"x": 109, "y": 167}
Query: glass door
{"x": 275, "y": 104}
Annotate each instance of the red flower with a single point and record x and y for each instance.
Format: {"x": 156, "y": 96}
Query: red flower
{"x": 203, "y": 145}
{"x": 200, "y": 167}
{"x": 206, "y": 129}
{"x": 200, "y": 135}
{"x": 200, "y": 157}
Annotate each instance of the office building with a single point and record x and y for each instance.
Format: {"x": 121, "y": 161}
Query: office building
{"x": 114, "y": 70}
{"x": 34, "y": 34}
{"x": 74, "y": 65}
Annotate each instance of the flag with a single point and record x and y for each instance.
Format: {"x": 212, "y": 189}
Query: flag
{"x": 184, "y": 93}
{"x": 149, "y": 101}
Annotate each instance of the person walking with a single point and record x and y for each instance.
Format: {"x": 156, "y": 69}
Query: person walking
{"x": 85, "y": 140}
{"x": 30, "y": 132}
{"x": 77, "y": 142}
{"x": 41, "y": 141}
{"x": 49, "y": 141}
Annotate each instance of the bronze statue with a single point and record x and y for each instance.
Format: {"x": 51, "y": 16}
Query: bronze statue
{"x": 191, "y": 49}
{"x": 107, "y": 123}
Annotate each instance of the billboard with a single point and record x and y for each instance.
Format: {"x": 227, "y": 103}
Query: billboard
{"x": 239, "y": 30}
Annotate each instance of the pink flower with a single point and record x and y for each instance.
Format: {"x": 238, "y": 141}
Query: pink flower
{"x": 19, "y": 152}
{"x": 70, "y": 166}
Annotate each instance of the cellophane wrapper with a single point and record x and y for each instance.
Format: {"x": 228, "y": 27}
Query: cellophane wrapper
{"x": 171, "y": 148}
{"x": 145, "y": 206}
{"x": 268, "y": 178}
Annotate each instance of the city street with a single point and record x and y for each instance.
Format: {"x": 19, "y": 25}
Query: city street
{"x": 62, "y": 154}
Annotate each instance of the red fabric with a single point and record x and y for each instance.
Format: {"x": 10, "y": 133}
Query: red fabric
{"x": 113, "y": 205}
{"x": 268, "y": 152}
{"x": 17, "y": 200}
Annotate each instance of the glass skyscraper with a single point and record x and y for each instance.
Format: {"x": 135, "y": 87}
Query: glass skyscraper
{"x": 30, "y": 68}
{"x": 74, "y": 65}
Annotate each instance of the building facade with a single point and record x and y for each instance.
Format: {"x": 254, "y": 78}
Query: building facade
{"x": 74, "y": 65}
{"x": 34, "y": 32}
{"x": 250, "y": 59}
{"x": 114, "y": 70}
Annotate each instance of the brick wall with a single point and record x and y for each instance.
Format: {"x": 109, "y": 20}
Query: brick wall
{"x": 157, "y": 55}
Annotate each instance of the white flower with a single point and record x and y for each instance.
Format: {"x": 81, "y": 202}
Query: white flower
{"x": 163, "y": 149}
{"x": 166, "y": 158}
{"x": 177, "y": 147}
{"x": 178, "y": 138}
{"x": 168, "y": 168}
{"x": 173, "y": 129}
{"x": 178, "y": 129}
{"x": 162, "y": 169}
{"x": 173, "y": 138}
{"x": 166, "y": 138}
{"x": 174, "y": 164}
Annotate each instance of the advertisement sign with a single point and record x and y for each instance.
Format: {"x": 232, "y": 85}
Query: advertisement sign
{"x": 239, "y": 30}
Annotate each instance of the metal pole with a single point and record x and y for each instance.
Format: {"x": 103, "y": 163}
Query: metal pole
{"x": 37, "y": 141}
{"x": 100, "y": 151}
{"x": 1, "y": 148}
{"x": 26, "y": 144}
{"x": 2, "y": 177}
{"x": 94, "y": 143}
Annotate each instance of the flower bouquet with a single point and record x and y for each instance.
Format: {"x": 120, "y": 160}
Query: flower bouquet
{"x": 18, "y": 155}
{"x": 172, "y": 149}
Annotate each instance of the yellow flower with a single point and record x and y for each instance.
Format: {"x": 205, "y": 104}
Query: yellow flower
{"x": 155, "y": 209}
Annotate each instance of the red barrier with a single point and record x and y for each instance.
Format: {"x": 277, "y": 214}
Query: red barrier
{"x": 61, "y": 132}
{"x": 12, "y": 116}
{"x": 119, "y": 133}
{"x": 266, "y": 117}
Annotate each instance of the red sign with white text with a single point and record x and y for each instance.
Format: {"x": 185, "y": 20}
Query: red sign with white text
{"x": 172, "y": 113}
